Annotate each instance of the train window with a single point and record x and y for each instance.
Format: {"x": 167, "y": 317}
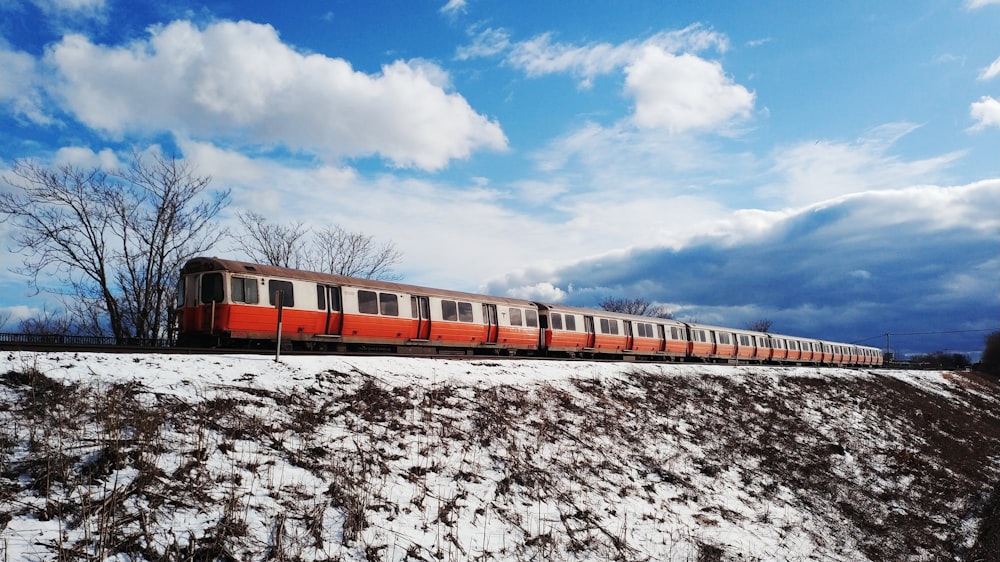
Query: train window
{"x": 531, "y": 318}
{"x": 320, "y": 297}
{"x": 605, "y": 326}
{"x": 180, "y": 292}
{"x": 744, "y": 340}
{"x": 388, "y": 304}
{"x": 465, "y": 312}
{"x": 367, "y": 302}
{"x": 571, "y": 322}
{"x": 675, "y": 333}
{"x": 244, "y": 290}
{"x": 211, "y": 287}
{"x": 556, "y": 320}
{"x": 724, "y": 338}
{"x": 515, "y": 316}
{"x": 449, "y": 310}
{"x": 287, "y": 296}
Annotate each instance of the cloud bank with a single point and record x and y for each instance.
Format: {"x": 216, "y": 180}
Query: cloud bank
{"x": 850, "y": 267}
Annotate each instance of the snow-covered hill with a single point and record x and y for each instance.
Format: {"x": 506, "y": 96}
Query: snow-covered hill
{"x": 127, "y": 457}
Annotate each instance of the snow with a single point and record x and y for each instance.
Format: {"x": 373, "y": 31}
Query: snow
{"x": 127, "y": 457}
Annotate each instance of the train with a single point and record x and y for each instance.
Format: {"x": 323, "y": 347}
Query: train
{"x": 234, "y": 304}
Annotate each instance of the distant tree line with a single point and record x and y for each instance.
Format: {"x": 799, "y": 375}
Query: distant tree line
{"x": 941, "y": 360}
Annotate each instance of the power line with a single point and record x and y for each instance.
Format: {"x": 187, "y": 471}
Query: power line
{"x": 887, "y": 334}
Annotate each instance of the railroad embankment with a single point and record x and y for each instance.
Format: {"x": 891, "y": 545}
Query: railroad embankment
{"x": 323, "y": 458}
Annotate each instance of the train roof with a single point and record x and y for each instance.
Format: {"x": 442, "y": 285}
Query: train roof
{"x": 202, "y": 264}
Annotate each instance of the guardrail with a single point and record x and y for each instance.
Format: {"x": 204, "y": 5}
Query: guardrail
{"x": 60, "y": 339}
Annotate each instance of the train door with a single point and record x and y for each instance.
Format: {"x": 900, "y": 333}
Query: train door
{"x": 422, "y": 312}
{"x": 490, "y": 319}
{"x": 329, "y": 301}
{"x": 629, "y": 336}
{"x": 588, "y": 327}
{"x": 662, "y": 334}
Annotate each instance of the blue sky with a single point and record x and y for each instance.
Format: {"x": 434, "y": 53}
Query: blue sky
{"x": 834, "y": 167}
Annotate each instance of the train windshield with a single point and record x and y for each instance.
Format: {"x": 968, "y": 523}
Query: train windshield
{"x": 211, "y": 288}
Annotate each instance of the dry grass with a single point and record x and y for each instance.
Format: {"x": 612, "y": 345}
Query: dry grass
{"x": 351, "y": 468}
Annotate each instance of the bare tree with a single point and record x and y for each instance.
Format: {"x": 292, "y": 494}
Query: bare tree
{"x": 354, "y": 254}
{"x": 165, "y": 221}
{"x": 63, "y": 228}
{"x": 762, "y": 325}
{"x": 637, "y": 306}
{"x": 48, "y": 323}
{"x": 110, "y": 242}
{"x": 271, "y": 243}
{"x": 331, "y": 249}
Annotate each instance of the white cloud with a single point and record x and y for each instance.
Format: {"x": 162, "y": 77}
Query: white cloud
{"x": 542, "y": 292}
{"x": 540, "y": 55}
{"x": 974, "y": 4}
{"x": 238, "y": 80}
{"x": 485, "y": 43}
{"x": 986, "y": 112}
{"x": 83, "y": 157}
{"x": 683, "y": 92}
{"x": 992, "y": 71}
{"x": 878, "y": 255}
{"x": 51, "y": 6}
{"x": 674, "y": 89}
{"x": 817, "y": 170}
{"x": 454, "y": 7}
{"x": 20, "y": 85}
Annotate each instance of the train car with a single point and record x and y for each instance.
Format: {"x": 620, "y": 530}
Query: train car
{"x": 713, "y": 343}
{"x": 587, "y": 332}
{"x": 234, "y": 304}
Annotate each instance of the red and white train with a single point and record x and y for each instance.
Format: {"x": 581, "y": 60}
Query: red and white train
{"x": 226, "y": 303}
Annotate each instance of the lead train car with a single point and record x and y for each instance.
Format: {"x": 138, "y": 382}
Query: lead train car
{"x": 233, "y": 304}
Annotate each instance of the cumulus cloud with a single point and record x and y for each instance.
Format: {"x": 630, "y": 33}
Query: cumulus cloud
{"x": 986, "y": 112}
{"x": 674, "y": 89}
{"x": 238, "y": 80}
{"x": 683, "y": 92}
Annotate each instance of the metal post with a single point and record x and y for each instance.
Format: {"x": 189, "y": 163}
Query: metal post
{"x": 277, "y": 348}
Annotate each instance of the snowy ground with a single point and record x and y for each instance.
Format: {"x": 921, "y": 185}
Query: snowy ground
{"x": 126, "y": 457}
